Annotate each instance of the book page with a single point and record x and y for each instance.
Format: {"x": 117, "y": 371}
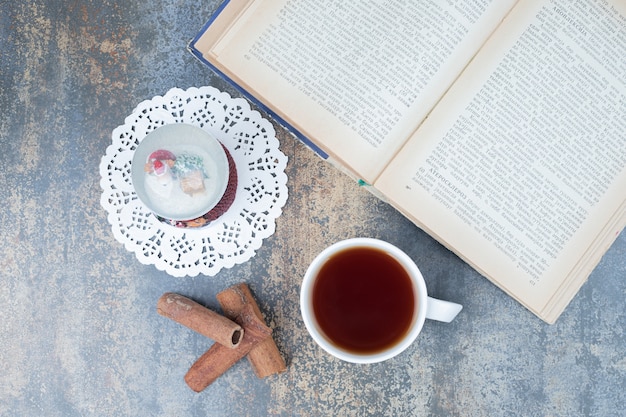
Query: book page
{"x": 523, "y": 164}
{"x": 354, "y": 77}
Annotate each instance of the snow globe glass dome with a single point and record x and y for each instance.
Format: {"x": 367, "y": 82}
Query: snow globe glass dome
{"x": 181, "y": 173}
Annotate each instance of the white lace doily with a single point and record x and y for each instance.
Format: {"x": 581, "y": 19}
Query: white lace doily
{"x": 261, "y": 190}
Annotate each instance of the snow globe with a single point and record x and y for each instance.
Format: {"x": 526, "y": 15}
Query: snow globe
{"x": 184, "y": 175}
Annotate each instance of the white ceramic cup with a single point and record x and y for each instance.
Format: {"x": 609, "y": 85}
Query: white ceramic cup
{"x": 425, "y": 307}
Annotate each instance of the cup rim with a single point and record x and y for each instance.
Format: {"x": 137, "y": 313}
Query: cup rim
{"x": 419, "y": 287}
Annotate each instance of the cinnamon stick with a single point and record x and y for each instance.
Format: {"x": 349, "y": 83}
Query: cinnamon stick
{"x": 200, "y": 319}
{"x": 265, "y": 358}
{"x": 218, "y": 359}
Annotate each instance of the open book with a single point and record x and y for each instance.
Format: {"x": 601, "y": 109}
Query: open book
{"x": 497, "y": 126}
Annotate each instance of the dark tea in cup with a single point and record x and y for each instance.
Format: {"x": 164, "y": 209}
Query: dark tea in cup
{"x": 363, "y": 300}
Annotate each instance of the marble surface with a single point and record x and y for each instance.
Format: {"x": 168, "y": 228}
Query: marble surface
{"x": 79, "y": 332}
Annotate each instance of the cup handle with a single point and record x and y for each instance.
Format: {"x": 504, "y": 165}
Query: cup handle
{"x": 440, "y": 310}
